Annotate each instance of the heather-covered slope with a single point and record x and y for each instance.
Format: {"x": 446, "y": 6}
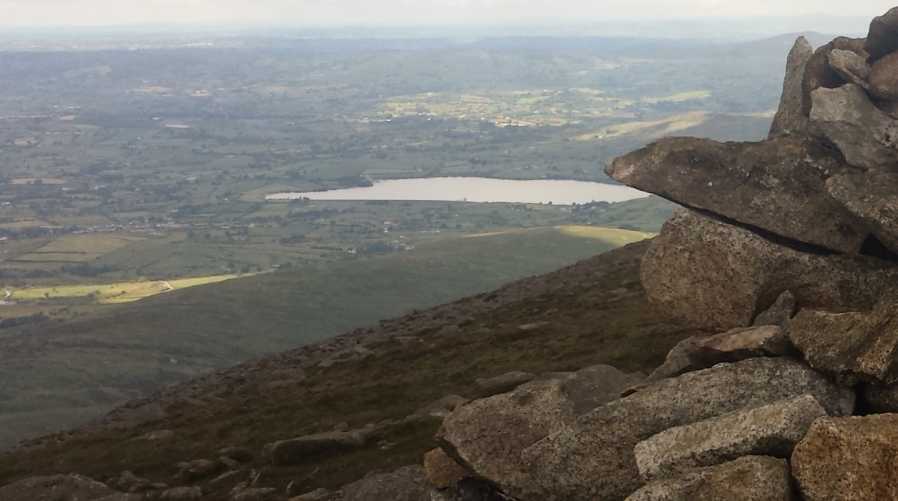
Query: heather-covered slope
{"x": 592, "y": 312}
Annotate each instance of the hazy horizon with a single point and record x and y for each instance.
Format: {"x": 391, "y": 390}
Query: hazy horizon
{"x": 407, "y": 13}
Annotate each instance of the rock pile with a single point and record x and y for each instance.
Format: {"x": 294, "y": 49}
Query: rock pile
{"x": 789, "y": 249}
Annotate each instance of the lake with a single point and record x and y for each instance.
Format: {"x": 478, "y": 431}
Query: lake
{"x": 477, "y": 189}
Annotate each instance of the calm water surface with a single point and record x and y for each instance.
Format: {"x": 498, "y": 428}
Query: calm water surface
{"x": 477, "y": 189}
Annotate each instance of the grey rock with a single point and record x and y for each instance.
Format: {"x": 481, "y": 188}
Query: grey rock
{"x": 55, "y": 488}
{"x": 593, "y": 458}
{"x": 850, "y": 346}
{"x": 873, "y": 198}
{"x": 593, "y": 386}
{"x": 405, "y": 484}
{"x": 777, "y": 185}
{"x": 779, "y": 313}
{"x": 487, "y": 436}
{"x": 487, "y": 387}
{"x": 696, "y": 353}
{"x": 883, "y": 37}
{"x": 717, "y": 276}
{"x": 769, "y": 430}
{"x": 852, "y": 67}
{"x": 818, "y": 72}
{"x": 442, "y": 471}
{"x": 884, "y": 78}
{"x": 749, "y": 478}
{"x": 792, "y": 117}
{"x": 302, "y": 449}
{"x": 866, "y": 136}
{"x": 848, "y": 459}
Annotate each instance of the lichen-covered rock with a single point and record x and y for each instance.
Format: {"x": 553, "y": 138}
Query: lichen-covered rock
{"x": 593, "y": 458}
{"x": 866, "y": 136}
{"x": 442, "y": 471}
{"x": 779, "y": 313}
{"x": 873, "y": 198}
{"x": 818, "y": 72}
{"x": 777, "y": 185}
{"x": 792, "y": 117}
{"x": 883, "y": 37}
{"x": 769, "y": 430}
{"x": 884, "y": 78}
{"x": 696, "y": 353}
{"x": 848, "y": 459}
{"x": 55, "y": 488}
{"x": 851, "y": 346}
{"x": 487, "y": 436}
{"x": 749, "y": 478}
{"x": 717, "y": 276}
{"x": 851, "y": 66}
{"x": 405, "y": 484}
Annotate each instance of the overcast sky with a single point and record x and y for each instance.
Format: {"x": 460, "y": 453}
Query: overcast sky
{"x": 404, "y": 12}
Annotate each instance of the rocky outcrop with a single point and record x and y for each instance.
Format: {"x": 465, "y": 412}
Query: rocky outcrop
{"x": 593, "y": 458}
{"x": 774, "y": 185}
{"x": 696, "y": 353}
{"x": 719, "y": 276}
{"x": 769, "y": 430}
{"x": 442, "y": 471}
{"x": 405, "y": 484}
{"x": 55, "y": 488}
{"x": 866, "y": 136}
{"x": 779, "y": 313}
{"x": 749, "y": 478}
{"x": 791, "y": 116}
{"x": 873, "y": 199}
{"x": 848, "y": 459}
{"x": 488, "y": 436}
{"x": 851, "y": 346}
{"x": 884, "y": 78}
{"x": 883, "y": 37}
{"x": 851, "y": 66}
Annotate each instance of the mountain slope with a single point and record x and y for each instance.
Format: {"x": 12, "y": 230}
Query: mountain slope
{"x": 592, "y": 312}
{"x": 57, "y": 375}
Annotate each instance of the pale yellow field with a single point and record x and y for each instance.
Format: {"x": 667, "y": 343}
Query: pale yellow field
{"x": 664, "y": 127}
{"x": 122, "y": 292}
{"x": 614, "y": 236}
{"x": 678, "y": 98}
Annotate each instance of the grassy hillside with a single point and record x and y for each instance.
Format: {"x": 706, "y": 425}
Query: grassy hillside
{"x": 592, "y": 312}
{"x": 60, "y": 373}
